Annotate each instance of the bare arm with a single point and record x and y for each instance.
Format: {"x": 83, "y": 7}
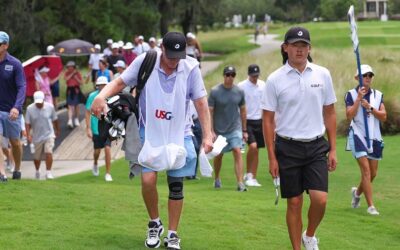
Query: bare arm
{"x": 351, "y": 111}
{"x": 268, "y": 125}
{"x": 69, "y": 76}
{"x": 243, "y": 118}
{"x": 211, "y": 109}
{"x": 87, "y": 121}
{"x": 201, "y": 105}
{"x": 198, "y": 47}
{"x": 381, "y": 113}
{"x": 52, "y": 81}
{"x": 56, "y": 128}
{"x": 330, "y": 124}
{"x": 28, "y": 132}
{"x": 37, "y": 85}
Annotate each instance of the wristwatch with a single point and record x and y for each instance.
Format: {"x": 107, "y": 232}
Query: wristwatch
{"x": 370, "y": 109}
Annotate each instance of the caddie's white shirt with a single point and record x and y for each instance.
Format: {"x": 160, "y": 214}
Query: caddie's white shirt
{"x": 298, "y": 99}
{"x": 252, "y": 95}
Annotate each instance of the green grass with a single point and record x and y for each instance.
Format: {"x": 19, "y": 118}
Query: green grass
{"x": 84, "y": 212}
{"x": 337, "y": 34}
{"x": 226, "y": 42}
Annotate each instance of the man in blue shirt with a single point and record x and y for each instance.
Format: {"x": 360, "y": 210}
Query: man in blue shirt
{"x": 12, "y": 97}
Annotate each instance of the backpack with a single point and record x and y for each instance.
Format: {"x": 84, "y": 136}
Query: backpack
{"x": 122, "y": 105}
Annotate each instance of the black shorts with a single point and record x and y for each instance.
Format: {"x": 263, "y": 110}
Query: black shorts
{"x": 94, "y": 74}
{"x": 302, "y": 165}
{"x": 100, "y": 141}
{"x": 255, "y": 132}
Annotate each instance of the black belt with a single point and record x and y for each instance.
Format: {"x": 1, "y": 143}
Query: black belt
{"x": 300, "y": 140}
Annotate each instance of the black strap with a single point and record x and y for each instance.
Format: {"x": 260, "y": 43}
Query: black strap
{"x": 145, "y": 70}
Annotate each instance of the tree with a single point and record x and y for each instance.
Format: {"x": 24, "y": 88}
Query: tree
{"x": 333, "y": 10}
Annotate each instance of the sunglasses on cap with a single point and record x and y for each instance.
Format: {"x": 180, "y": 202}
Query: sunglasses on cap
{"x": 230, "y": 74}
{"x": 370, "y": 75}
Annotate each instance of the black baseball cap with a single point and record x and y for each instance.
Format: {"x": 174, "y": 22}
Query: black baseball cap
{"x": 229, "y": 69}
{"x": 297, "y": 34}
{"x": 253, "y": 70}
{"x": 175, "y": 45}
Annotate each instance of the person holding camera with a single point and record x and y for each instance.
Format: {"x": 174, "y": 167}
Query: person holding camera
{"x": 164, "y": 128}
{"x": 73, "y": 79}
{"x": 100, "y": 140}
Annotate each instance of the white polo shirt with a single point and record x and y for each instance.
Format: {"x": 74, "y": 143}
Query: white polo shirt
{"x": 252, "y": 95}
{"x": 94, "y": 60}
{"x": 298, "y": 99}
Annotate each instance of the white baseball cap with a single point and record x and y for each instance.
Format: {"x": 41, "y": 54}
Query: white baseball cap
{"x": 128, "y": 45}
{"x": 50, "y": 48}
{"x": 141, "y": 37}
{"x": 101, "y": 80}
{"x": 120, "y": 64}
{"x": 152, "y": 39}
{"x": 97, "y": 46}
{"x": 114, "y": 46}
{"x": 190, "y": 35}
{"x": 44, "y": 70}
{"x": 38, "y": 97}
{"x": 109, "y": 41}
{"x": 365, "y": 68}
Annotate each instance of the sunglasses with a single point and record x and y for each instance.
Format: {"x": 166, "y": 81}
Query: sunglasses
{"x": 230, "y": 75}
{"x": 370, "y": 75}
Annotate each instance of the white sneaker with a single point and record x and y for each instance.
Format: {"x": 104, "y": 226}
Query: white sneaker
{"x": 95, "y": 170}
{"x": 172, "y": 242}
{"x": 252, "y": 183}
{"x": 76, "y": 122}
{"x": 37, "y": 175}
{"x": 49, "y": 176}
{"x": 247, "y": 176}
{"x": 10, "y": 167}
{"x": 310, "y": 243}
{"x": 154, "y": 232}
{"x": 108, "y": 177}
{"x": 372, "y": 211}
{"x": 69, "y": 124}
{"x": 355, "y": 200}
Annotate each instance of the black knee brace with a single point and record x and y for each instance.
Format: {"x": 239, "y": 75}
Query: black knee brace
{"x": 175, "y": 185}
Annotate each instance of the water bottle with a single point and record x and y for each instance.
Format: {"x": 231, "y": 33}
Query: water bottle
{"x": 24, "y": 141}
{"x": 243, "y": 147}
{"x": 32, "y": 147}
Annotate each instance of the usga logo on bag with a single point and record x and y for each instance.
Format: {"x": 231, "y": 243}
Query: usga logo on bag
{"x": 162, "y": 114}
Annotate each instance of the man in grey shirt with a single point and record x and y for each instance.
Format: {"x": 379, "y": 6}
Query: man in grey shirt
{"x": 228, "y": 118}
{"x": 41, "y": 117}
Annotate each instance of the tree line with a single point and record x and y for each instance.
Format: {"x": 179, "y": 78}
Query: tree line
{"x": 34, "y": 24}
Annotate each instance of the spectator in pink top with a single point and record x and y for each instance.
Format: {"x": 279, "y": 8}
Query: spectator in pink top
{"x": 43, "y": 83}
{"x": 128, "y": 53}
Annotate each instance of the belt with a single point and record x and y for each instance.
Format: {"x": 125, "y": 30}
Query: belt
{"x": 300, "y": 140}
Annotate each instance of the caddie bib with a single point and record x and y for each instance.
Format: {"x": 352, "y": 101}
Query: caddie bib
{"x": 163, "y": 147}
